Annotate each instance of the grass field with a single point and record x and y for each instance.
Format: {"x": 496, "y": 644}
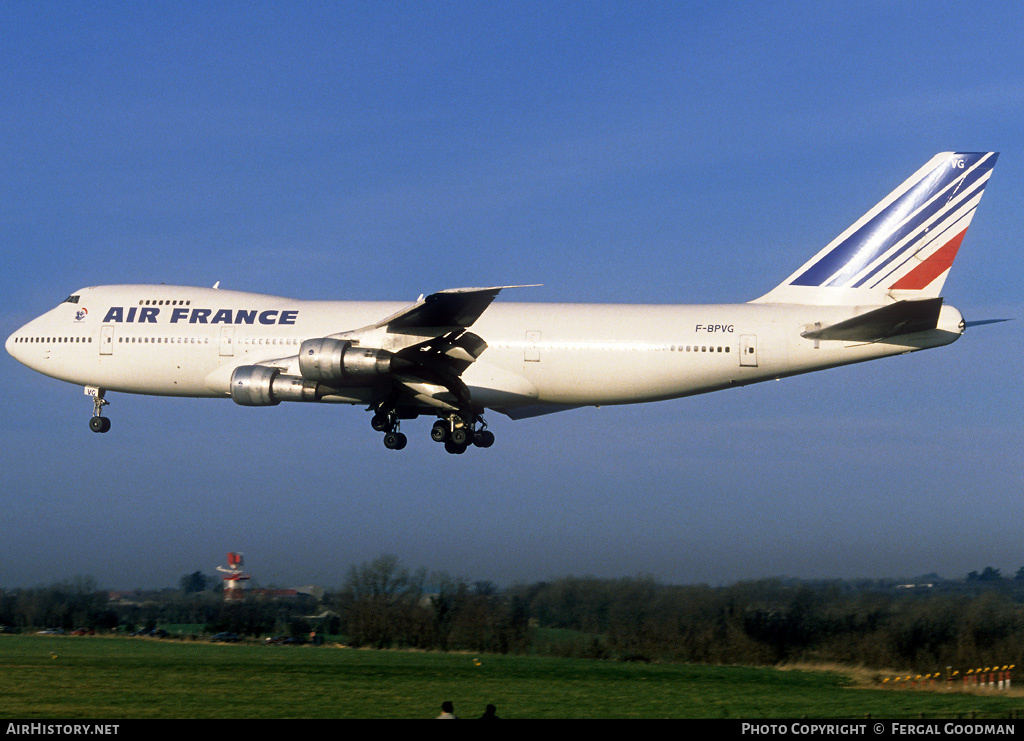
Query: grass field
{"x": 63, "y": 677}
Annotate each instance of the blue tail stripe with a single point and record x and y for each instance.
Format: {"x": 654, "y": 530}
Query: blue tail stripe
{"x": 895, "y": 263}
{"x": 886, "y": 228}
{"x": 921, "y": 219}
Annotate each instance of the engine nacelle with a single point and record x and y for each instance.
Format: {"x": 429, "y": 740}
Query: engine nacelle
{"x": 339, "y": 362}
{"x": 261, "y": 386}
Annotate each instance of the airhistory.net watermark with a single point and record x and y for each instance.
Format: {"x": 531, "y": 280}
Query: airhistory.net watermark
{"x": 62, "y": 729}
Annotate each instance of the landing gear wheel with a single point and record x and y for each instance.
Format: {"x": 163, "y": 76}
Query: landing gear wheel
{"x": 98, "y": 423}
{"x": 382, "y": 422}
{"x": 395, "y": 441}
{"x": 460, "y": 430}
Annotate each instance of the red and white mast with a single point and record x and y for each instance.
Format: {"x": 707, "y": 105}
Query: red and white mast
{"x": 235, "y": 579}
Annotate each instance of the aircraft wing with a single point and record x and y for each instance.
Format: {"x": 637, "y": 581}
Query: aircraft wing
{"x": 430, "y": 369}
{"x": 454, "y": 307}
{"x": 412, "y": 359}
{"x": 418, "y": 353}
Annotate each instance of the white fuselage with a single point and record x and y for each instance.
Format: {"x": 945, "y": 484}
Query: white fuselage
{"x": 178, "y": 341}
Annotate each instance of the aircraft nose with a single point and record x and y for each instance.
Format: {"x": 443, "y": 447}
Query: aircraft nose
{"x": 16, "y": 345}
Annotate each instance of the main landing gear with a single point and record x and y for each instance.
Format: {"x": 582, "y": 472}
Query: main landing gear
{"x": 387, "y": 422}
{"x": 454, "y": 431}
{"x": 457, "y": 434}
{"x": 98, "y": 423}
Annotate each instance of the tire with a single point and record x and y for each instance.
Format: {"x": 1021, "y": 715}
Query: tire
{"x": 483, "y": 439}
{"x": 96, "y": 424}
{"x": 439, "y": 432}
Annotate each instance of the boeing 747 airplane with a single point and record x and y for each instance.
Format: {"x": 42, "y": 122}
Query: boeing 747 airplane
{"x": 872, "y": 292}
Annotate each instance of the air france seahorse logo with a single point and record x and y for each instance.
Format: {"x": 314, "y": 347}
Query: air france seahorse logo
{"x": 81, "y": 314}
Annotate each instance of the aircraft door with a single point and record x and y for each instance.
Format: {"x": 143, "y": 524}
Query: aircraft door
{"x": 748, "y": 350}
{"x": 107, "y": 339}
{"x": 532, "y": 352}
{"x": 227, "y": 341}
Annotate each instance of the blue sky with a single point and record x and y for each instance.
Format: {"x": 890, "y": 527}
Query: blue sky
{"x": 614, "y": 152}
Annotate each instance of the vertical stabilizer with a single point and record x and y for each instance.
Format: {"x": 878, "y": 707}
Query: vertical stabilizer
{"x": 902, "y": 248}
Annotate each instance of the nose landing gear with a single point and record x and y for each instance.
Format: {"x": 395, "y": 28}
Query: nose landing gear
{"x": 98, "y": 423}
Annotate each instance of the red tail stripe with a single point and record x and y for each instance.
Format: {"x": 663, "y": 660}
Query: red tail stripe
{"x": 940, "y": 261}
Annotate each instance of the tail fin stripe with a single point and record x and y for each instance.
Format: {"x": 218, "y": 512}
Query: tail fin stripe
{"x": 919, "y": 250}
{"x": 925, "y": 221}
{"x": 932, "y": 267}
{"x": 902, "y": 249}
{"x": 897, "y": 219}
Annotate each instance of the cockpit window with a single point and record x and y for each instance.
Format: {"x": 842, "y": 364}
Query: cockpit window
{"x": 71, "y": 299}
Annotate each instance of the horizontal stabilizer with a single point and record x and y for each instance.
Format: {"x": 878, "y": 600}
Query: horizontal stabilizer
{"x": 903, "y": 317}
{"x": 980, "y": 322}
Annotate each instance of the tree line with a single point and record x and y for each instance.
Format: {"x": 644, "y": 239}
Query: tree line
{"x": 383, "y": 604}
{"x": 776, "y": 621}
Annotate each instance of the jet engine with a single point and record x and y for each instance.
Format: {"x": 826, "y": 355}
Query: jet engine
{"x": 260, "y": 386}
{"x": 340, "y": 363}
